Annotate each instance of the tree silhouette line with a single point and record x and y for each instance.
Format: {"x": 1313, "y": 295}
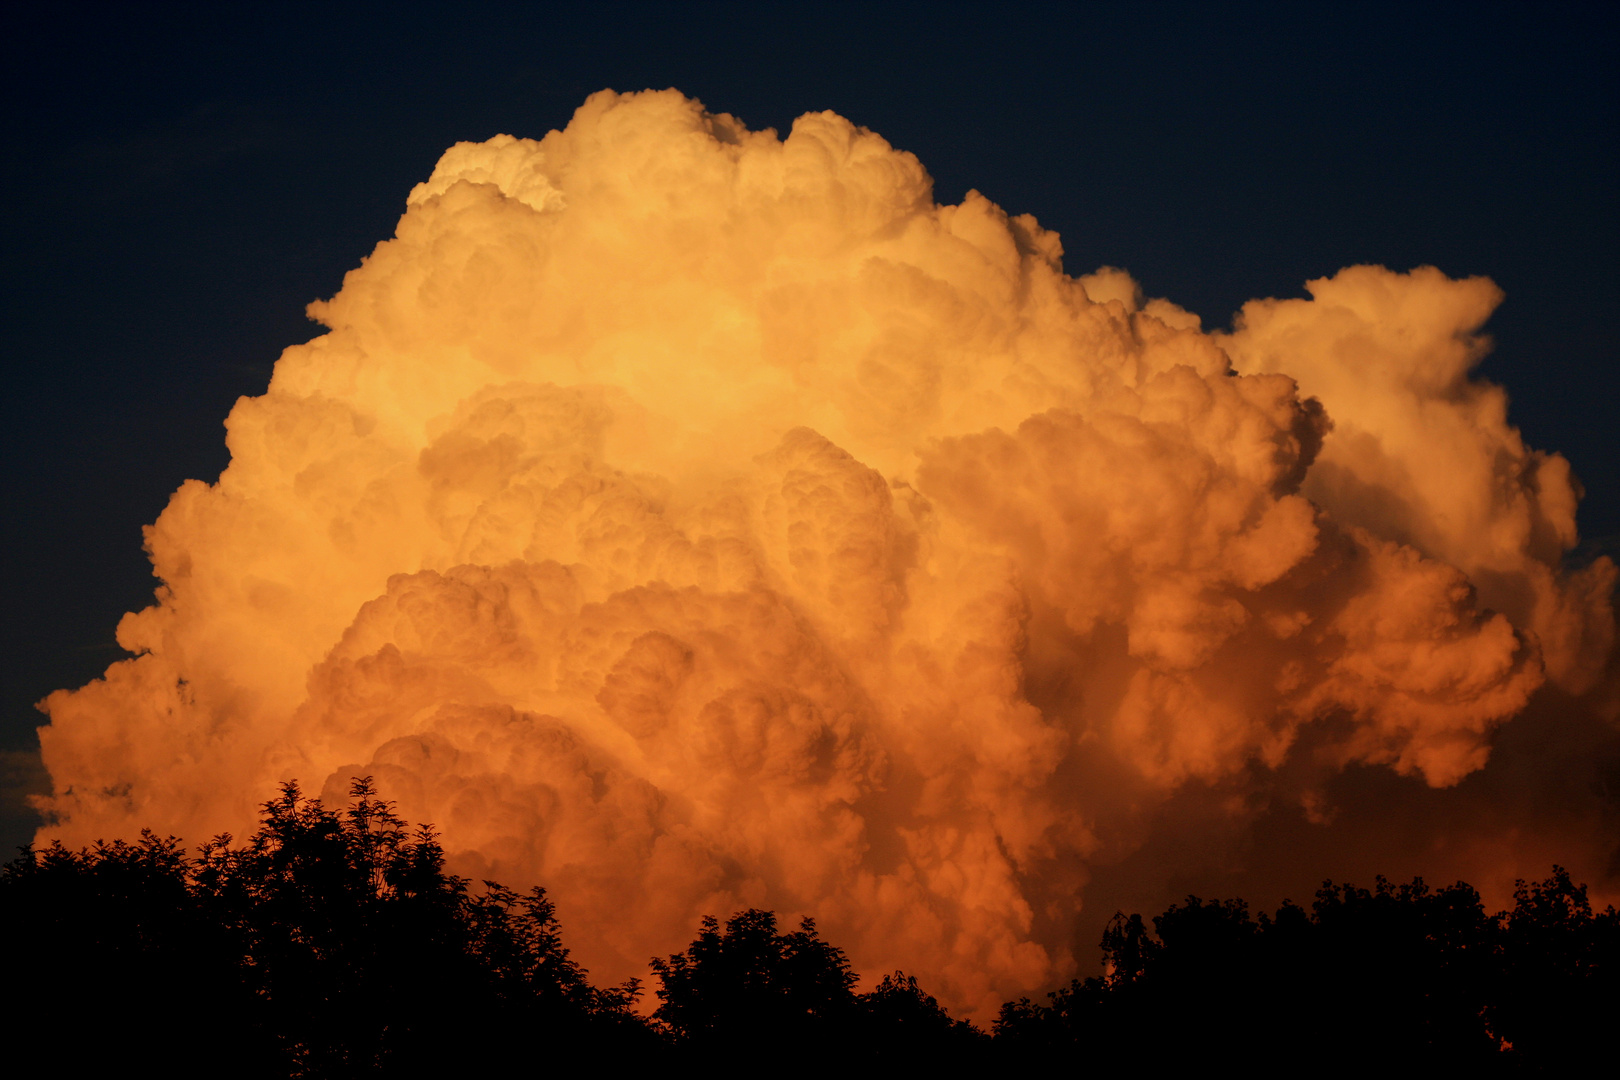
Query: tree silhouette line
{"x": 336, "y": 945}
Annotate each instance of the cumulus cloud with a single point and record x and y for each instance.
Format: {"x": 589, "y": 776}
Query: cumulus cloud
{"x": 688, "y": 518}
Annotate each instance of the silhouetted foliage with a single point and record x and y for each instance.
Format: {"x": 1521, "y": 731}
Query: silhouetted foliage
{"x": 746, "y": 993}
{"x": 326, "y": 946}
{"x": 115, "y": 962}
{"x": 903, "y": 1026}
{"x": 1560, "y": 980}
{"x": 1400, "y": 977}
{"x": 734, "y": 986}
{"x": 336, "y": 945}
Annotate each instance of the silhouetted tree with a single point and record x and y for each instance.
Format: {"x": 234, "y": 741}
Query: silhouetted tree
{"x": 329, "y": 945}
{"x": 1560, "y": 983}
{"x": 115, "y": 964}
{"x": 334, "y": 944}
{"x": 1412, "y": 971}
{"x": 748, "y": 994}
{"x": 903, "y": 1026}
{"x": 744, "y": 989}
{"x": 1399, "y": 977}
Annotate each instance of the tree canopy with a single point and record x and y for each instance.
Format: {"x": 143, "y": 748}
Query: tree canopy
{"x": 335, "y": 944}
{"x": 327, "y": 945}
{"x": 1366, "y": 978}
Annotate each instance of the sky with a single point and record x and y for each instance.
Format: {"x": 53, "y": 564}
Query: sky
{"x": 183, "y": 181}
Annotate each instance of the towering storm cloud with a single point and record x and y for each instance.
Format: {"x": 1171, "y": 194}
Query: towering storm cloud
{"x": 689, "y": 519}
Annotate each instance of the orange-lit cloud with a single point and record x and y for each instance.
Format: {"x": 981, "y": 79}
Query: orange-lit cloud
{"x": 689, "y": 519}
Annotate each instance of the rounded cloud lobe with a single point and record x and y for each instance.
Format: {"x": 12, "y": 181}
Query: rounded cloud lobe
{"x": 689, "y": 519}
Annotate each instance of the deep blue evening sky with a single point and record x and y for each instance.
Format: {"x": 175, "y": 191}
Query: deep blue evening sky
{"x": 181, "y": 181}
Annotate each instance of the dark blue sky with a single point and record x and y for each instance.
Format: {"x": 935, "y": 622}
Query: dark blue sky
{"x": 180, "y": 182}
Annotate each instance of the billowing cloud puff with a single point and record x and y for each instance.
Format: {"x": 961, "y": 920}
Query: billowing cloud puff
{"x": 1423, "y": 455}
{"x": 688, "y": 519}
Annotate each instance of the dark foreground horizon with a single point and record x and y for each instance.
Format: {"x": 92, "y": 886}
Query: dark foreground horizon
{"x": 333, "y": 944}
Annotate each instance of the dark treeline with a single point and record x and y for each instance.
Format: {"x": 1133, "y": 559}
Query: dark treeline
{"x": 336, "y": 945}
{"x": 1400, "y": 979}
